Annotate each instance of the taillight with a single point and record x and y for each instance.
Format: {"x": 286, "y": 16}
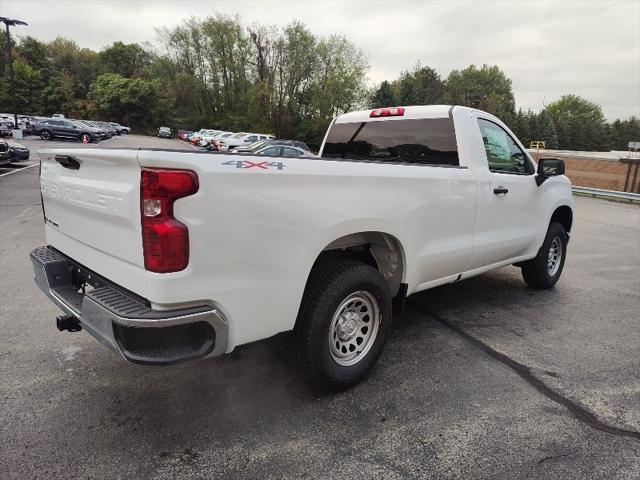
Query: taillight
{"x": 165, "y": 241}
{"x": 387, "y": 112}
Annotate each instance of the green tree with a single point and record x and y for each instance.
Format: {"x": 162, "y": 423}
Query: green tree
{"x": 126, "y": 59}
{"x": 407, "y": 93}
{"x": 29, "y": 86}
{"x": 59, "y": 94}
{"x": 36, "y": 54}
{"x": 486, "y": 88}
{"x": 547, "y": 130}
{"x": 422, "y": 86}
{"x": 624, "y": 131}
{"x": 521, "y": 127}
{"x": 383, "y": 96}
{"x": 80, "y": 63}
{"x": 580, "y": 124}
{"x": 130, "y": 100}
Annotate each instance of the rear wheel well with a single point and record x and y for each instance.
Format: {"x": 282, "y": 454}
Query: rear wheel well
{"x": 381, "y": 251}
{"x": 564, "y": 216}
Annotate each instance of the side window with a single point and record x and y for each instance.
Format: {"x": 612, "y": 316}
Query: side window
{"x": 271, "y": 151}
{"x": 251, "y": 139}
{"x": 55, "y": 123}
{"x": 290, "y": 152}
{"x": 503, "y": 153}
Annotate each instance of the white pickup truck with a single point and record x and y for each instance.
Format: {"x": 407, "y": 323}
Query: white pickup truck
{"x": 168, "y": 256}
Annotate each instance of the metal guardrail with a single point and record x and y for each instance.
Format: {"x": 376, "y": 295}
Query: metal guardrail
{"x": 610, "y": 194}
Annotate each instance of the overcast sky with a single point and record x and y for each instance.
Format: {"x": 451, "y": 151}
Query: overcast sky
{"x": 590, "y": 48}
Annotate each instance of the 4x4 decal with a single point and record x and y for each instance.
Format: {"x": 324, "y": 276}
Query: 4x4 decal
{"x": 263, "y": 165}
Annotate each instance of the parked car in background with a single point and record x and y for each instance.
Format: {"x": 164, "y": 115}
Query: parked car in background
{"x": 26, "y": 124}
{"x": 242, "y": 139}
{"x": 57, "y": 115}
{"x": 164, "y": 132}
{"x": 5, "y": 159}
{"x": 108, "y": 127}
{"x": 4, "y": 129}
{"x": 182, "y": 134}
{"x": 284, "y": 151}
{"x": 214, "y": 145}
{"x": 62, "y": 128}
{"x": 194, "y": 138}
{"x": 99, "y": 133}
{"x": 18, "y": 152}
{"x": 121, "y": 128}
{"x": 251, "y": 148}
{"x": 215, "y": 136}
{"x": 108, "y": 133}
{"x": 207, "y": 136}
{"x": 8, "y": 120}
{"x": 254, "y": 147}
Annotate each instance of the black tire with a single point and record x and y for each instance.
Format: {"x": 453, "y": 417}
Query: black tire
{"x": 539, "y": 272}
{"x": 46, "y": 135}
{"x": 84, "y": 134}
{"x": 332, "y": 282}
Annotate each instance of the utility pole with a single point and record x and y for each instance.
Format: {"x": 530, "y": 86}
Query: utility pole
{"x": 12, "y": 22}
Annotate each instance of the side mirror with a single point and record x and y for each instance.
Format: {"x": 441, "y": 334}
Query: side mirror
{"x": 549, "y": 167}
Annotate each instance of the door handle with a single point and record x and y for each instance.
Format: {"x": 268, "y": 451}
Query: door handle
{"x": 500, "y": 191}
{"x": 68, "y": 162}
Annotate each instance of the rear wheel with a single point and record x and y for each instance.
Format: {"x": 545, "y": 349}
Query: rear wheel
{"x": 343, "y": 322}
{"x": 46, "y": 135}
{"x": 545, "y": 269}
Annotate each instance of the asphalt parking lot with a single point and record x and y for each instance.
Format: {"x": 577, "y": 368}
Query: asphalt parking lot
{"x": 482, "y": 379}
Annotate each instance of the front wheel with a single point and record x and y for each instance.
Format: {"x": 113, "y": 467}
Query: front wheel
{"x": 343, "y": 322}
{"x": 545, "y": 269}
{"x": 46, "y": 135}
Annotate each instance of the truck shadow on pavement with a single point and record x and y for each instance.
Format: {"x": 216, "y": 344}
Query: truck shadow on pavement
{"x": 262, "y": 379}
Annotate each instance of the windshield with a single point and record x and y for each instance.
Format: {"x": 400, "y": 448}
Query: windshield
{"x": 257, "y": 145}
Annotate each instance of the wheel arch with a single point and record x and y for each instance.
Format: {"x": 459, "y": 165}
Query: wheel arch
{"x": 564, "y": 216}
{"x": 381, "y": 250}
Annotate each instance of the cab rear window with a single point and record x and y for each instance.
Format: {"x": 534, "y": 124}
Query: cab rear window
{"x": 425, "y": 141}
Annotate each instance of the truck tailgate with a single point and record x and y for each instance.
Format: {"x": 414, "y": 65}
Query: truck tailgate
{"x": 92, "y": 203}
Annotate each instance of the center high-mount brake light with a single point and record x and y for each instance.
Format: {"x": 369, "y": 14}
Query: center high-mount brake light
{"x": 387, "y": 112}
{"x": 165, "y": 240}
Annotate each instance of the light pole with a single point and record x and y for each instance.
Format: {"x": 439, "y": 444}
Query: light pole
{"x": 12, "y": 22}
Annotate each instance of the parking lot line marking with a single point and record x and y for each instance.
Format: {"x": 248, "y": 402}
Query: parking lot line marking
{"x": 18, "y": 170}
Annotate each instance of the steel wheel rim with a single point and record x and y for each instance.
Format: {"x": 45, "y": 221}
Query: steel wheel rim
{"x": 354, "y": 328}
{"x": 555, "y": 256}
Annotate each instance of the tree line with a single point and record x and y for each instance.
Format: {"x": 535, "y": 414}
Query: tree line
{"x": 570, "y": 123}
{"x": 217, "y": 72}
